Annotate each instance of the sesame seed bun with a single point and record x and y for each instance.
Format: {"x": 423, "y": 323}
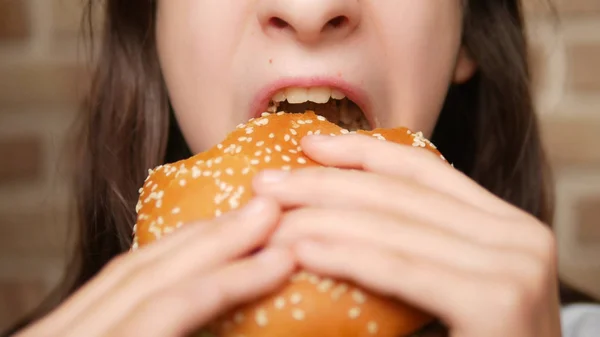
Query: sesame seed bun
{"x": 216, "y": 181}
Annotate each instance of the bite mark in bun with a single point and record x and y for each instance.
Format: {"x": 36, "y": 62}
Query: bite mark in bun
{"x": 219, "y": 180}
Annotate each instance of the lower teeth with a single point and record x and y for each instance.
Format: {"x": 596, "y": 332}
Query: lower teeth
{"x": 343, "y": 112}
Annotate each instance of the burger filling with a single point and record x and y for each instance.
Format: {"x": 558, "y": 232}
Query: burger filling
{"x": 332, "y": 105}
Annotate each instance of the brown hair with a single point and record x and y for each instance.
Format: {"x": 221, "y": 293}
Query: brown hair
{"x": 487, "y": 128}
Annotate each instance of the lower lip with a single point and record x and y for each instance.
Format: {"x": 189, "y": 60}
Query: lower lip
{"x": 353, "y": 94}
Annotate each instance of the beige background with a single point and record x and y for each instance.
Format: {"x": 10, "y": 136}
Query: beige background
{"x": 41, "y": 78}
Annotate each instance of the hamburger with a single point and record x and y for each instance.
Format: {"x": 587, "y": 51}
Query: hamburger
{"x": 217, "y": 181}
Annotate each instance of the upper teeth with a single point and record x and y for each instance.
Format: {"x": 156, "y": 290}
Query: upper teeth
{"x": 295, "y": 95}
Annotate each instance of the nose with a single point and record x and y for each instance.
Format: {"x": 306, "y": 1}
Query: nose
{"x": 310, "y": 21}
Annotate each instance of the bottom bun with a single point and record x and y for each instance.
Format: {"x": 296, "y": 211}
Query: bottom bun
{"x": 310, "y": 305}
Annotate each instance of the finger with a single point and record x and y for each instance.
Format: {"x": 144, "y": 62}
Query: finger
{"x": 351, "y": 189}
{"x": 185, "y": 307}
{"x": 447, "y": 294}
{"x": 133, "y": 280}
{"x": 370, "y": 154}
{"x": 398, "y": 236}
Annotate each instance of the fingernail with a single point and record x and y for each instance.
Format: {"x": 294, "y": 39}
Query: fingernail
{"x": 319, "y": 138}
{"x": 308, "y": 247}
{"x": 254, "y": 206}
{"x": 269, "y": 255}
{"x": 272, "y": 176}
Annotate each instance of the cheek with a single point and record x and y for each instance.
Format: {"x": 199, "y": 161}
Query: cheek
{"x": 421, "y": 40}
{"x": 196, "y": 49}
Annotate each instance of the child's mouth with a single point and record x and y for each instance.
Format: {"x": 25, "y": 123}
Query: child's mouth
{"x": 324, "y": 101}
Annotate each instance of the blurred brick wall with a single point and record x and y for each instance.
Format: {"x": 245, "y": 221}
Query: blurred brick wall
{"x": 41, "y": 79}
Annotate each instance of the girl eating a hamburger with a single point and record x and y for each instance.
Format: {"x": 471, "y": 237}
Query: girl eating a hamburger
{"x": 470, "y": 244}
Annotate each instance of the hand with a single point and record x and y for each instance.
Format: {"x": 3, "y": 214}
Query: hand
{"x": 400, "y": 221}
{"x": 179, "y": 283}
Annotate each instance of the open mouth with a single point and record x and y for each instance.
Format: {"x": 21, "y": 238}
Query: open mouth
{"x": 327, "y": 102}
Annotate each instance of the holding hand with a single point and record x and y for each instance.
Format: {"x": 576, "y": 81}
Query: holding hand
{"x": 174, "y": 286}
{"x": 402, "y": 222}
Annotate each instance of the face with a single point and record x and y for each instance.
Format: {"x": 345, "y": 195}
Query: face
{"x": 224, "y": 60}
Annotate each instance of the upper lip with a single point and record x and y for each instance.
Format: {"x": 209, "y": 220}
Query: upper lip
{"x": 352, "y": 92}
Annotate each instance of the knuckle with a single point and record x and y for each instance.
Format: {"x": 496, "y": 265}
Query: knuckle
{"x": 511, "y": 297}
{"x": 544, "y": 242}
{"x": 121, "y": 261}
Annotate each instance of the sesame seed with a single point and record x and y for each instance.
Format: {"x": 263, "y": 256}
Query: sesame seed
{"x": 339, "y": 291}
{"x": 293, "y": 132}
{"x": 286, "y": 167}
{"x": 271, "y": 135}
{"x": 321, "y": 118}
{"x": 196, "y": 172}
{"x": 325, "y": 285}
{"x": 219, "y": 146}
{"x": 295, "y": 298}
{"x": 238, "y": 149}
{"x": 285, "y": 158}
{"x": 254, "y": 162}
{"x": 314, "y": 279}
{"x": 372, "y": 327}
{"x": 300, "y": 276}
{"x": 279, "y": 302}
{"x": 207, "y": 173}
{"x": 182, "y": 182}
{"x": 267, "y": 159}
{"x": 263, "y": 121}
{"x": 160, "y": 220}
{"x": 354, "y": 312}
{"x": 278, "y": 148}
{"x": 298, "y": 314}
{"x": 269, "y": 151}
{"x": 260, "y": 143}
{"x": 245, "y": 170}
{"x": 229, "y": 171}
{"x": 217, "y": 174}
{"x": 176, "y": 210}
{"x": 218, "y": 160}
{"x": 309, "y": 133}
{"x": 287, "y": 137}
{"x": 158, "y": 203}
{"x": 301, "y": 160}
{"x": 358, "y": 296}
{"x": 261, "y": 317}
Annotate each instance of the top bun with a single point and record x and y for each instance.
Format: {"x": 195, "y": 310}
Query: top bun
{"x": 219, "y": 180}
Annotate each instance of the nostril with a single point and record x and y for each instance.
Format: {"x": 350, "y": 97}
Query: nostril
{"x": 278, "y": 22}
{"x": 338, "y": 21}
